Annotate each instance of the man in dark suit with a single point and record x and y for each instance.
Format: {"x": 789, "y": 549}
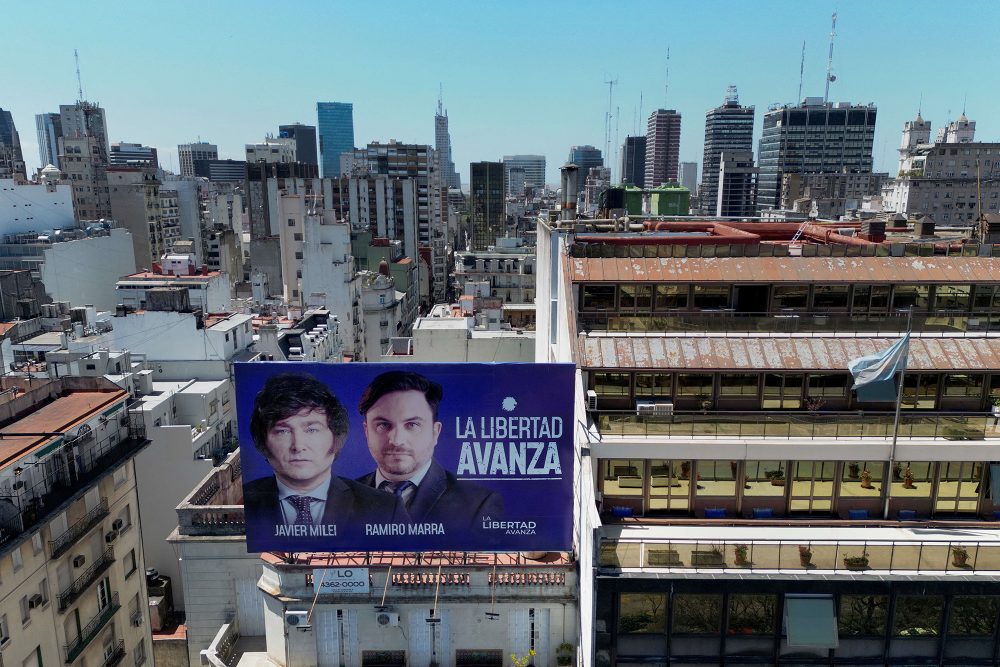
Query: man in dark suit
{"x": 300, "y": 427}
{"x": 401, "y": 425}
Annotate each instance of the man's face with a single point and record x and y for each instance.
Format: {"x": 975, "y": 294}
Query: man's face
{"x": 301, "y": 448}
{"x": 401, "y": 433}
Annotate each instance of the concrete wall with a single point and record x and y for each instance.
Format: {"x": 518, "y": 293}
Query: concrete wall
{"x": 34, "y": 208}
{"x": 85, "y": 271}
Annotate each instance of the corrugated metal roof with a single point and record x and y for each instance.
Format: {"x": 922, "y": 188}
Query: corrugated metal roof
{"x": 752, "y": 353}
{"x": 787, "y": 269}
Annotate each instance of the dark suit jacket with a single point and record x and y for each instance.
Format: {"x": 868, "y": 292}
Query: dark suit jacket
{"x": 442, "y": 497}
{"x": 349, "y": 505}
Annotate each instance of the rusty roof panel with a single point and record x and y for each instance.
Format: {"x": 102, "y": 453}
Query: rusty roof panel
{"x": 789, "y": 269}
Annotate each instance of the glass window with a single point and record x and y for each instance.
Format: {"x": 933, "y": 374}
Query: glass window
{"x": 717, "y": 478}
{"x": 752, "y": 614}
{"x": 910, "y": 296}
{"x": 918, "y": 616}
{"x": 912, "y": 479}
{"x": 671, "y": 297}
{"x": 612, "y": 384}
{"x": 669, "y": 484}
{"x": 983, "y": 297}
{"x": 958, "y": 486}
{"x": 967, "y": 386}
{"x": 694, "y": 384}
{"x": 995, "y": 385}
{"x": 782, "y": 391}
{"x": 863, "y": 615}
{"x": 920, "y": 391}
{"x": 830, "y": 297}
{"x": 711, "y": 296}
{"x": 879, "y": 298}
{"x": 861, "y": 297}
{"x": 598, "y": 297}
{"x": 973, "y": 615}
{"x": 653, "y": 384}
{"x": 623, "y": 477}
{"x": 828, "y": 385}
{"x": 790, "y": 296}
{"x": 764, "y": 478}
{"x": 129, "y": 563}
{"x": 697, "y": 614}
{"x": 738, "y": 384}
{"x": 642, "y": 613}
{"x": 952, "y": 297}
{"x": 862, "y": 479}
{"x": 635, "y": 296}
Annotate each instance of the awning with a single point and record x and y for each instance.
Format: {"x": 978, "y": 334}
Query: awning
{"x": 810, "y": 621}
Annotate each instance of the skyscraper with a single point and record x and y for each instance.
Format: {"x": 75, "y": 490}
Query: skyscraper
{"x": 734, "y": 186}
{"x": 633, "y": 169}
{"x": 49, "y": 128}
{"x": 663, "y": 144}
{"x": 689, "y": 176}
{"x": 442, "y": 145}
{"x": 584, "y": 157}
{"x": 124, "y": 154}
{"x": 83, "y": 157}
{"x": 534, "y": 172}
{"x": 305, "y": 141}
{"x": 84, "y": 119}
{"x": 187, "y": 154}
{"x": 813, "y": 137}
{"x": 486, "y": 203}
{"x": 335, "y": 121}
{"x": 727, "y": 128}
{"x": 11, "y": 158}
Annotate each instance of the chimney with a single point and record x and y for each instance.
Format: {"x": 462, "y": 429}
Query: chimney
{"x": 873, "y": 230}
{"x": 568, "y": 175}
{"x": 204, "y": 269}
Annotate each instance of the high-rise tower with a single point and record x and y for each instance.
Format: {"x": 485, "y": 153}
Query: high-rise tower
{"x": 442, "y": 146}
{"x": 335, "y": 121}
{"x": 11, "y": 158}
{"x": 305, "y": 141}
{"x": 663, "y": 145}
{"x": 633, "y": 169}
{"x": 49, "y": 129}
{"x": 728, "y": 128}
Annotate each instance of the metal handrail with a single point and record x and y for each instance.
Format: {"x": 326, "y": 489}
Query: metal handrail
{"x": 81, "y": 583}
{"x": 92, "y": 629}
{"x": 116, "y": 656}
{"x": 69, "y": 537}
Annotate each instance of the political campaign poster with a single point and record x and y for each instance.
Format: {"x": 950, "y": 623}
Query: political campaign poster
{"x": 406, "y": 457}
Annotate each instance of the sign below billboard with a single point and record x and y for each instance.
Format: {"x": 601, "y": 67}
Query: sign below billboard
{"x": 406, "y": 457}
{"x": 341, "y": 580}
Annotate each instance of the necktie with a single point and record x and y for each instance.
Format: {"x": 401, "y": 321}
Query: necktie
{"x": 303, "y": 513}
{"x": 397, "y": 489}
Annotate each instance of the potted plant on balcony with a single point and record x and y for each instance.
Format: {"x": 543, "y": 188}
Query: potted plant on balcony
{"x": 908, "y": 478}
{"x": 705, "y": 402}
{"x": 522, "y": 660}
{"x": 685, "y": 470}
{"x": 805, "y": 555}
{"x": 741, "y": 551}
{"x": 814, "y": 403}
{"x": 564, "y": 654}
{"x": 996, "y": 407}
{"x": 853, "y": 468}
{"x": 777, "y": 477}
{"x": 857, "y": 562}
{"x": 959, "y": 556}
{"x": 866, "y": 479}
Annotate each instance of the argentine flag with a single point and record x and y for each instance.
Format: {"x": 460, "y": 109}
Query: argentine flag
{"x": 874, "y": 375}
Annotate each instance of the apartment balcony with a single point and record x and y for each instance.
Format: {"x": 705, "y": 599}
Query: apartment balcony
{"x": 92, "y": 629}
{"x": 73, "y": 592}
{"x": 72, "y": 535}
{"x": 215, "y": 506}
{"x": 116, "y": 656}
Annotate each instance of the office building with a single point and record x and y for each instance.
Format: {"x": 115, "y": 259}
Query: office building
{"x": 134, "y": 200}
{"x": 84, "y": 162}
{"x": 133, "y": 155}
{"x": 752, "y": 508}
{"x": 735, "y": 185}
{"x": 305, "y": 141}
{"x": 584, "y": 157}
{"x": 335, "y": 124}
{"x": 689, "y": 176}
{"x": 663, "y": 145}
{"x": 633, "y": 169}
{"x": 11, "y": 158}
{"x": 442, "y": 146}
{"x": 728, "y": 128}
{"x": 272, "y": 150}
{"x": 486, "y": 211}
{"x": 188, "y": 154}
{"x": 49, "y": 129}
{"x": 533, "y": 167}
{"x": 829, "y": 195}
{"x": 221, "y": 170}
{"x": 85, "y": 119}
{"x": 813, "y": 137}
{"x": 74, "y": 587}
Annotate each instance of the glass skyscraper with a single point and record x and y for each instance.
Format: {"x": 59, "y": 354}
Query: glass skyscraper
{"x": 335, "y": 121}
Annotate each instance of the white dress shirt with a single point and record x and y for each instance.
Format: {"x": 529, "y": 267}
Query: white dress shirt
{"x": 408, "y": 494}
{"x": 317, "y": 508}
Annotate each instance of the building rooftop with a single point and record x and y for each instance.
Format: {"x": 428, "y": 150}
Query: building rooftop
{"x": 153, "y": 278}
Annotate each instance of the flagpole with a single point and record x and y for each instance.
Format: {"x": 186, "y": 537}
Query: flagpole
{"x": 887, "y": 484}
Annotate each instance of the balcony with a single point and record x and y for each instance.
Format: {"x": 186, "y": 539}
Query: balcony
{"x": 116, "y": 656}
{"x": 83, "y": 582}
{"x": 61, "y": 544}
{"x": 91, "y": 630}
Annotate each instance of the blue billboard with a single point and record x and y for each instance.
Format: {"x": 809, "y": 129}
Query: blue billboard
{"x": 406, "y": 457}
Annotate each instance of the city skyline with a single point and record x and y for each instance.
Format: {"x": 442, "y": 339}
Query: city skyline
{"x": 396, "y": 98}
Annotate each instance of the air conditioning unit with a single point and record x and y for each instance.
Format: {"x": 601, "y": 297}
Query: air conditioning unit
{"x": 387, "y": 618}
{"x": 78, "y": 561}
{"x": 297, "y": 619}
{"x": 663, "y": 409}
{"x": 110, "y": 536}
{"x": 117, "y": 524}
{"x": 35, "y": 601}
{"x": 591, "y": 399}
{"x": 644, "y": 409}
{"x": 18, "y": 485}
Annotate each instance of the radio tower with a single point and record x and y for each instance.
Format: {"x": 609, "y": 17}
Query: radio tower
{"x": 79, "y": 81}
{"x": 607, "y": 120}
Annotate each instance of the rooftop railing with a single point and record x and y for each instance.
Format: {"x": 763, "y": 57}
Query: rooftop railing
{"x": 857, "y": 424}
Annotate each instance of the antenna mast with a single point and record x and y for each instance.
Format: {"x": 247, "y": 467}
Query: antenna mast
{"x": 440, "y": 99}
{"x": 79, "y": 81}
{"x": 829, "y": 63}
{"x": 802, "y": 69}
{"x": 666, "y": 82}
{"x": 607, "y": 118}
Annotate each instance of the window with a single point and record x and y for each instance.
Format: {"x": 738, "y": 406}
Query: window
{"x": 973, "y": 615}
{"x": 694, "y": 384}
{"x": 966, "y": 386}
{"x": 953, "y": 297}
{"x": 711, "y": 297}
{"x": 25, "y": 610}
{"x": 958, "y": 487}
{"x": 129, "y": 563}
{"x": 782, "y": 392}
{"x": 790, "y": 297}
{"x": 738, "y": 384}
{"x": 918, "y": 616}
{"x": 125, "y": 516}
{"x": 623, "y": 477}
{"x": 697, "y": 614}
{"x": 297, "y": 236}
{"x": 717, "y": 478}
{"x": 36, "y": 543}
{"x": 635, "y": 297}
{"x": 298, "y": 255}
{"x": 920, "y": 391}
{"x": 612, "y": 384}
{"x": 671, "y": 297}
{"x": 654, "y": 384}
{"x": 912, "y": 479}
{"x": 642, "y": 613}
{"x": 598, "y": 297}
{"x": 862, "y": 479}
{"x": 291, "y": 222}
{"x": 830, "y": 297}
{"x": 905, "y": 297}
{"x": 752, "y": 614}
{"x": 827, "y": 385}
{"x": 764, "y": 478}
{"x": 863, "y": 615}
{"x": 4, "y": 630}
{"x": 43, "y": 590}
{"x": 16, "y": 559}
{"x": 121, "y": 474}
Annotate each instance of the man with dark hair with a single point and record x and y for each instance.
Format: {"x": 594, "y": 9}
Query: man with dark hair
{"x": 400, "y": 410}
{"x": 300, "y": 428}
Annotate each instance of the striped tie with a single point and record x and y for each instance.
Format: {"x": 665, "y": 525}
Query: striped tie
{"x": 303, "y": 513}
{"x": 396, "y": 489}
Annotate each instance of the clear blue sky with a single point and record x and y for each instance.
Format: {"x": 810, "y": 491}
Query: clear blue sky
{"x": 518, "y": 77}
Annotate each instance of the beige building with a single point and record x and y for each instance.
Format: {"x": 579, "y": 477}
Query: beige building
{"x": 135, "y": 204}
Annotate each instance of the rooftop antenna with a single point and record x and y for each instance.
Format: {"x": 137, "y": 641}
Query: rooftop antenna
{"x": 920, "y": 105}
{"x": 732, "y": 97}
{"x": 666, "y": 81}
{"x": 802, "y": 69}
{"x": 79, "y": 81}
{"x": 965, "y": 98}
{"x": 440, "y": 99}
{"x": 607, "y": 118}
{"x": 829, "y": 63}
{"x": 640, "y": 110}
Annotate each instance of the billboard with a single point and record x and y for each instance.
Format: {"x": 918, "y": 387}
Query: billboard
{"x": 406, "y": 457}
